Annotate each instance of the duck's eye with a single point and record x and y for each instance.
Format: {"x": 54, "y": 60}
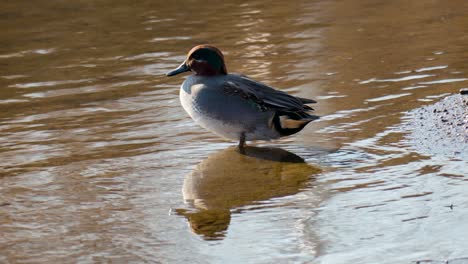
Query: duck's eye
{"x": 196, "y": 56}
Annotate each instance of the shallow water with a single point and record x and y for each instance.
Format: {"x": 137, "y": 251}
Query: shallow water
{"x": 99, "y": 163}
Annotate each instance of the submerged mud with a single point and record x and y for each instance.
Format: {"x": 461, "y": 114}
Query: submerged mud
{"x": 441, "y": 128}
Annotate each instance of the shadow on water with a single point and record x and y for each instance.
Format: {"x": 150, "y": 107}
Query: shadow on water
{"x": 229, "y": 179}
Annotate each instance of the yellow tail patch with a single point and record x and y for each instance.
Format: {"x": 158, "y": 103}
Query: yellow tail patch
{"x": 287, "y": 122}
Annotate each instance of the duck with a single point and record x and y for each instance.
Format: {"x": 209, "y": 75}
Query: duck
{"x": 235, "y": 106}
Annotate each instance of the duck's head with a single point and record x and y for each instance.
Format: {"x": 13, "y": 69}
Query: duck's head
{"x": 205, "y": 60}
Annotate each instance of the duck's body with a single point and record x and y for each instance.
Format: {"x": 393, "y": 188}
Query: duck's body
{"x": 208, "y": 101}
{"x": 234, "y": 106}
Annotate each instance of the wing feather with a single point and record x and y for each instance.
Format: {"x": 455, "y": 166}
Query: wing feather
{"x": 268, "y": 96}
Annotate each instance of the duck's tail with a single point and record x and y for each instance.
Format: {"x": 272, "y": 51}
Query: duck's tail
{"x": 288, "y": 123}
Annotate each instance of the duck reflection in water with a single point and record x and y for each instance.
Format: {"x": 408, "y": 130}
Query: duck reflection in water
{"x": 230, "y": 179}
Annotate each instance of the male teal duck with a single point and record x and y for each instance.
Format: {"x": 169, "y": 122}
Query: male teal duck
{"x": 234, "y": 106}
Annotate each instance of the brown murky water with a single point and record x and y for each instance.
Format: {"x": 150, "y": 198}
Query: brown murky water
{"x": 99, "y": 163}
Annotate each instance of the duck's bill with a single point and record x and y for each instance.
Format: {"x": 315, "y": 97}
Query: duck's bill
{"x": 182, "y": 68}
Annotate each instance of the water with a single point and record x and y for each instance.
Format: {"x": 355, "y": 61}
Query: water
{"x": 99, "y": 163}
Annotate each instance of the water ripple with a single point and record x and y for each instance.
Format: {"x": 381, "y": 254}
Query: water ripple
{"x": 432, "y": 68}
{"x": 446, "y": 81}
{"x": 48, "y": 83}
{"x": 26, "y": 52}
{"x": 406, "y": 78}
{"x": 387, "y": 97}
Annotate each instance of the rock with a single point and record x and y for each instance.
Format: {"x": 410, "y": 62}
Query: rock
{"x": 441, "y": 128}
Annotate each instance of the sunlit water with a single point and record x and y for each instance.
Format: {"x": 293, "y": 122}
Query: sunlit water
{"x": 99, "y": 163}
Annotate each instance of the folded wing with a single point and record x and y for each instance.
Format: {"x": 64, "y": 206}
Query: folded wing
{"x": 271, "y": 98}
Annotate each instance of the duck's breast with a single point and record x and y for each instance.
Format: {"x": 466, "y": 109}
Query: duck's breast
{"x": 205, "y": 97}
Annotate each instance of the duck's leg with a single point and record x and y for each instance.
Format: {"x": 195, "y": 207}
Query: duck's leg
{"x": 241, "y": 142}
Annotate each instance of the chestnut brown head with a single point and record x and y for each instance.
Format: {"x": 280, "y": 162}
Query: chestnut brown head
{"x": 204, "y": 60}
